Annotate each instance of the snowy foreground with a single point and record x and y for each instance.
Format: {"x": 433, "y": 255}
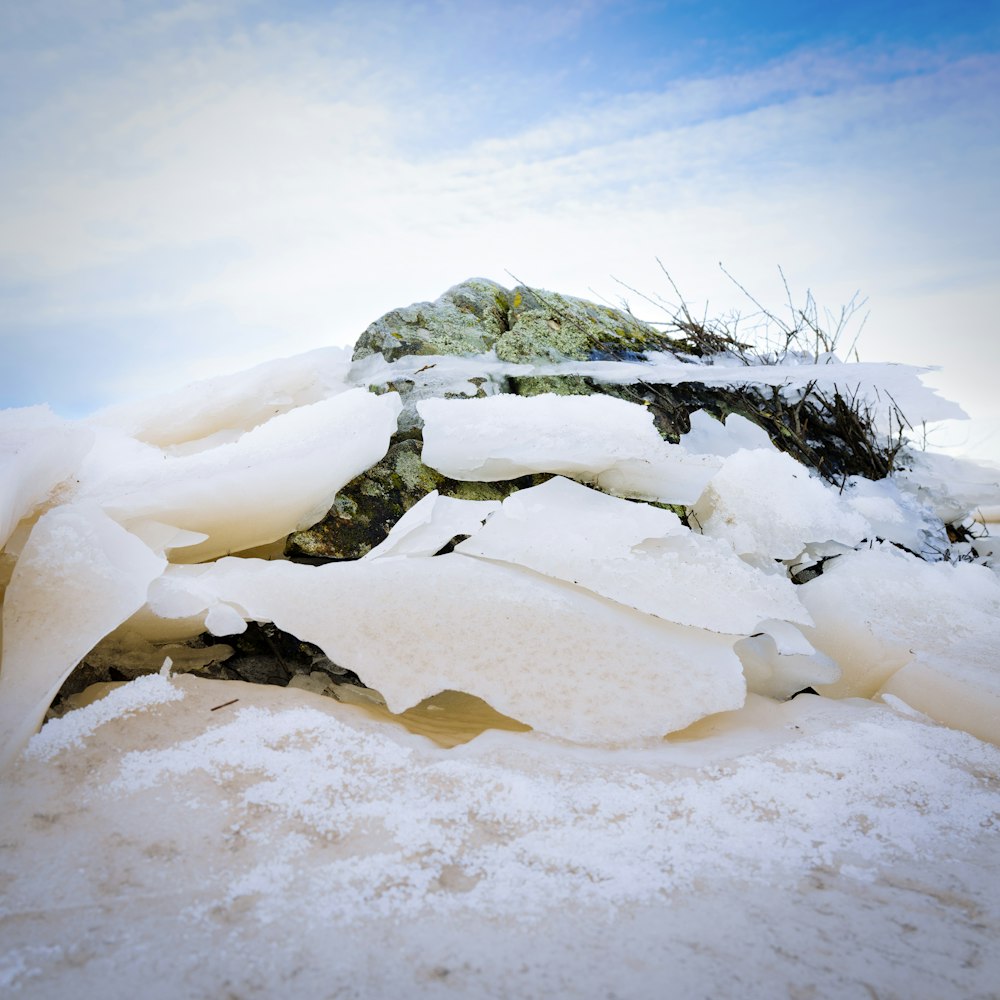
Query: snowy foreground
{"x": 669, "y": 826}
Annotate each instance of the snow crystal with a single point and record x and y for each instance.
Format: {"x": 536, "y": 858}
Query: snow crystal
{"x": 72, "y": 729}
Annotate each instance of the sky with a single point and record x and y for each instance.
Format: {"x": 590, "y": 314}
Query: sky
{"x": 189, "y": 188}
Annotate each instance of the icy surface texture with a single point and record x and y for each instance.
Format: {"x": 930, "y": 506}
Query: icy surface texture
{"x": 330, "y": 854}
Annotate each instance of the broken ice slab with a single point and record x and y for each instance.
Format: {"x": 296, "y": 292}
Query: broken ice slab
{"x": 876, "y": 608}
{"x": 635, "y": 554}
{"x": 768, "y": 507}
{"x": 79, "y": 576}
{"x": 958, "y": 686}
{"x": 598, "y": 439}
{"x": 278, "y": 477}
{"x": 550, "y": 655}
{"x": 38, "y": 451}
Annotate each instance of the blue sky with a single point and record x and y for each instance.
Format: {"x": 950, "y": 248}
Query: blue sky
{"x": 192, "y": 187}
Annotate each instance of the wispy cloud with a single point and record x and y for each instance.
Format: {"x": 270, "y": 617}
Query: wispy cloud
{"x": 263, "y": 186}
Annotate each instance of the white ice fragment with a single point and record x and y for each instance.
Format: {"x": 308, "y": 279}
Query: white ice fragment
{"x": 950, "y": 486}
{"x": 709, "y": 436}
{"x": 958, "y": 686}
{"x": 162, "y": 538}
{"x": 279, "y": 477}
{"x": 222, "y": 619}
{"x": 635, "y": 554}
{"x": 181, "y": 593}
{"x": 875, "y": 608}
{"x": 788, "y": 638}
{"x": 896, "y": 516}
{"x": 597, "y": 439}
{"x": 38, "y": 450}
{"x": 777, "y": 674}
{"x": 431, "y": 523}
{"x": 551, "y": 656}
{"x": 79, "y": 576}
{"x": 768, "y": 507}
{"x": 216, "y": 410}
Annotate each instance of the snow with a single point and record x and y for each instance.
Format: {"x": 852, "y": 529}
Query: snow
{"x": 667, "y": 810}
{"x": 290, "y": 845}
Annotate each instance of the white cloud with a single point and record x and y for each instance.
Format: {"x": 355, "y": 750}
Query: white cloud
{"x": 278, "y": 187}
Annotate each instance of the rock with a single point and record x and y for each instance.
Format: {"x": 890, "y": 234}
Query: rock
{"x": 371, "y": 504}
{"x": 467, "y": 319}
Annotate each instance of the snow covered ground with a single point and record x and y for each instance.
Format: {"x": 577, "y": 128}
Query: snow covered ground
{"x": 189, "y": 837}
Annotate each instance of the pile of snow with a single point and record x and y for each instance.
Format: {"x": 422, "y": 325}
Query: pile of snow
{"x": 570, "y": 607}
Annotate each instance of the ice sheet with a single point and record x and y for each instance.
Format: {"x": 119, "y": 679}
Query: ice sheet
{"x": 597, "y": 439}
{"x": 276, "y": 478}
{"x": 79, "y": 576}
{"x": 551, "y": 656}
{"x": 634, "y": 554}
{"x": 38, "y": 451}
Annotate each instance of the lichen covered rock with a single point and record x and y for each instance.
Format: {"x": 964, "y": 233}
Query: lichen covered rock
{"x": 467, "y": 319}
{"x": 368, "y": 506}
